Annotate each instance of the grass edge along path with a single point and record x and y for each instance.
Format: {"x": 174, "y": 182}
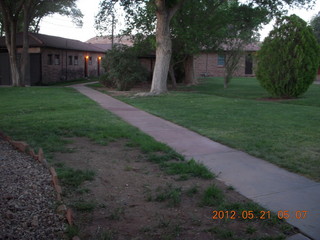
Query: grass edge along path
{"x": 285, "y": 133}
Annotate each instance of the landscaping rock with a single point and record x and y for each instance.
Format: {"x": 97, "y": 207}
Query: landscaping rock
{"x": 27, "y": 199}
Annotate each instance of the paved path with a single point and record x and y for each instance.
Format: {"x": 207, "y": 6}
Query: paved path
{"x": 270, "y": 186}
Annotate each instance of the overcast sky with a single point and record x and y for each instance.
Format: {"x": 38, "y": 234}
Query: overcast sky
{"x": 57, "y": 25}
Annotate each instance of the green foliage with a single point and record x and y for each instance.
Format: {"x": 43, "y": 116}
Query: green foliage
{"x": 71, "y": 231}
{"x": 289, "y": 58}
{"x": 191, "y": 168}
{"x": 170, "y": 194}
{"x": 315, "y": 24}
{"x": 212, "y": 196}
{"x": 73, "y": 177}
{"x": 84, "y": 206}
{"x": 123, "y": 68}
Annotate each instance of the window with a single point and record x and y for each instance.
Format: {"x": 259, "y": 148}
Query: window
{"x": 70, "y": 60}
{"x": 90, "y": 60}
{"x": 76, "y": 60}
{"x": 57, "y": 59}
{"x": 50, "y": 62}
{"x": 221, "y": 60}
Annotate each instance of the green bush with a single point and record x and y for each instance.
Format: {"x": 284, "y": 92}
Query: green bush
{"x": 123, "y": 68}
{"x": 289, "y": 58}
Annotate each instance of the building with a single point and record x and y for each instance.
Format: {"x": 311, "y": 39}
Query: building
{"x": 54, "y": 59}
{"x": 212, "y": 64}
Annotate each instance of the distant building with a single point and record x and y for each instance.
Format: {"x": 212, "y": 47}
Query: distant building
{"x": 54, "y": 59}
{"x": 212, "y": 64}
{"x": 106, "y": 41}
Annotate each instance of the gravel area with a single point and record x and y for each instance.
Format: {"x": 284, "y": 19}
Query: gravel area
{"x": 27, "y": 198}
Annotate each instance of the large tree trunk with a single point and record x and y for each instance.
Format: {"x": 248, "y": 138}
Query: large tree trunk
{"x": 163, "y": 53}
{"x": 189, "y": 71}
{"x": 10, "y": 21}
{"x": 25, "y": 63}
{"x": 12, "y": 50}
{"x": 164, "y": 45}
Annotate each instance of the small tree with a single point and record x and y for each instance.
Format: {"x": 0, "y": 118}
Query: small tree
{"x": 289, "y": 58}
{"x": 123, "y": 68}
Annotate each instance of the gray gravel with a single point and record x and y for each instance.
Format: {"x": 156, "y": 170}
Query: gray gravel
{"x": 27, "y": 198}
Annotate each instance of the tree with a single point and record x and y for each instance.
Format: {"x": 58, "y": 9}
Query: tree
{"x": 233, "y": 50}
{"x": 123, "y": 68}
{"x": 229, "y": 26}
{"x": 18, "y": 15}
{"x": 289, "y": 58}
{"x": 315, "y": 24}
{"x": 164, "y": 10}
{"x": 11, "y": 11}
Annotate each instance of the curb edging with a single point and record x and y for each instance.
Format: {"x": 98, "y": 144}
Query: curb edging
{"x": 40, "y": 158}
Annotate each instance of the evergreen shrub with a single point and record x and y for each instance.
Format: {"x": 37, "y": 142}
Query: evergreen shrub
{"x": 289, "y": 58}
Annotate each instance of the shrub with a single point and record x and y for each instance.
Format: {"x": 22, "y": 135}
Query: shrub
{"x": 289, "y": 58}
{"x": 123, "y": 68}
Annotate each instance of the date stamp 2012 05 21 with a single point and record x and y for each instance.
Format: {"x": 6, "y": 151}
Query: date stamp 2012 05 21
{"x": 248, "y": 214}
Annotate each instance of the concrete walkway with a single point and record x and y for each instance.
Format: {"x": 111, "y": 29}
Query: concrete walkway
{"x": 270, "y": 186}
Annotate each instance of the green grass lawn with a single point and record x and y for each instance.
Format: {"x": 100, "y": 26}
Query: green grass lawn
{"x": 45, "y": 116}
{"x": 286, "y": 133}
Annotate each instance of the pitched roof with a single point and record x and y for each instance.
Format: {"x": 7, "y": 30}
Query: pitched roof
{"x": 41, "y": 40}
{"x": 105, "y": 47}
{"x": 125, "y": 40}
{"x": 248, "y": 47}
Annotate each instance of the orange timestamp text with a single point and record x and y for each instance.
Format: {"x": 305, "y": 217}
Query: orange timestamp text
{"x": 247, "y": 214}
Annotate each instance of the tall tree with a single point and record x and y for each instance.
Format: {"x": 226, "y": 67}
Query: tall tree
{"x": 228, "y": 24}
{"x": 18, "y": 15}
{"x": 164, "y": 10}
{"x": 11, "y": 11}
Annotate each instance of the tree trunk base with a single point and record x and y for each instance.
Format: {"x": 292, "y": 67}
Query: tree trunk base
{"x": 149, "y": 94}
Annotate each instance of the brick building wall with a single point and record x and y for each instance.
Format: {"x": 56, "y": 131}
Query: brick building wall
{"x": 63, "y": 65}
{"x": 208, "y": 65}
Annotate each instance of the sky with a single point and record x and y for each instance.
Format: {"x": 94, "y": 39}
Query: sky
{"x": 57, "y": 25}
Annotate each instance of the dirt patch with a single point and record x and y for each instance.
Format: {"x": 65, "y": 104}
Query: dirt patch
{"x": 139, "y": 88}
{"x": 134, "y": 199}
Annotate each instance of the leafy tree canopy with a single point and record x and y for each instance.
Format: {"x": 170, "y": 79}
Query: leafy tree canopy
{"x": 197, "y": 20}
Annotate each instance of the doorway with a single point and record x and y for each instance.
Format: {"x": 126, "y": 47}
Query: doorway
{"x": 249, "y": 64}
{"x": 86, "y": 59}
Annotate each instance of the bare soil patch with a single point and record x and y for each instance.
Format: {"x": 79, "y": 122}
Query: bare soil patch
{"x": 131, "y": 199}
{"x": 138, "y": 88}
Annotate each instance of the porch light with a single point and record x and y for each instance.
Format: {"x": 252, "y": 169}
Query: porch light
{"x": 87, "y": 57}
{"x": 99, "y": 58}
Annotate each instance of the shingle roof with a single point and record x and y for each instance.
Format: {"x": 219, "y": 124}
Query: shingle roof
{"x": 41, "y": 40}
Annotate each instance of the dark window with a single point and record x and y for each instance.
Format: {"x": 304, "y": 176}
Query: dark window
{"x": 70, "y": 60}
{"x": 221, "y": 59}
{"x": 90, "y": 60}
{"x": 57, "y": 59}
{"x": 50, "y": 61}
{"x": 76, "y": 60}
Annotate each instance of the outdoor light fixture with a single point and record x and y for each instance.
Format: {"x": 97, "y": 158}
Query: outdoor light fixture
{"x": 99, "y": 58}
{"x": 87, "y": 57}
